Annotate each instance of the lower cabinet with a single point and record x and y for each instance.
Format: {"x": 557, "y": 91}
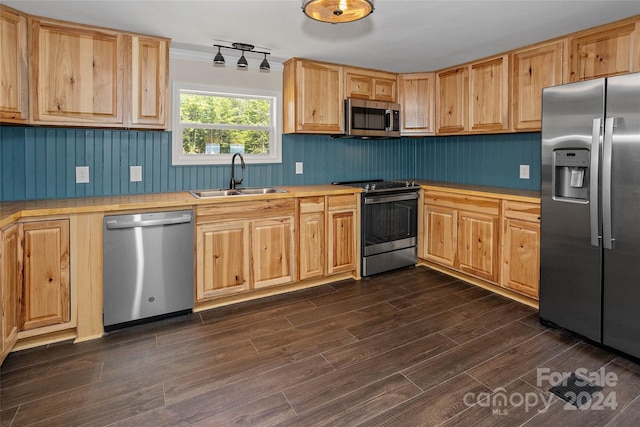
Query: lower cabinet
{"x": 493, "y": 239}
{"x": 10, "y": 280}
{"x": 521, "y": 247}
{"x": 244, "y": 246}
{"x": 342, "y": 233}
{"x": 312, "y": 246}
{"x": 45, "y": 288}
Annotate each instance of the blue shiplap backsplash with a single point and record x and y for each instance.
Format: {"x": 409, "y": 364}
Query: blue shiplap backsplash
{"x": 39, "y": 163}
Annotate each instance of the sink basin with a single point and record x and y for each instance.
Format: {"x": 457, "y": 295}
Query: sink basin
{"x": 202, "y": 194}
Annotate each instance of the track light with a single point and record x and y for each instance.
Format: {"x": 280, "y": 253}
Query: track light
{"x": 219, "y": 59}
{"x": 242, "y": 63}
{"x": 264, "y": 65}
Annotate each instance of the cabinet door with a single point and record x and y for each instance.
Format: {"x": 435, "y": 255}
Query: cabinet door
{"x": 373, "y": 85}
{"x": 606, "y": 51}
{"x": 441, "y": 235}
{"x": 11, "y": 280}
{"x": 45, "y": 295}
{"x": 384, "y": 90}
{"x": 416, "y": 98}
{"x": 149, "y": 82}
{"x": 452, "y": 100}
{"x": 521, "y": 257}
{"x": 312, "y": 241}
{"x": 222, "y": 262}
{"x": 272, "y": 252}
{"x": 478, "y": 245}
{"x": 341, "y": 241}
{"x": 358, "y": 86}
{"x": 489, "y": 95}
{"x": 13, "y": 69}
{"x": 76, "y": 74}
{"x": 534, "y": 69}
{"x": 319, "y": 100}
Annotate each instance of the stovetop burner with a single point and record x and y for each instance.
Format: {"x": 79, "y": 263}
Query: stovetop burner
{"x": 379, "y": 185}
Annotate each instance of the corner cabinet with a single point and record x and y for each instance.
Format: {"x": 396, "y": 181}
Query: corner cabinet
{"x": 244, "y": 246}
{"x": 313, "y": 97}
{"x": 521, "y": 247}
{"x": 10, "y": 285}
{"x": 416, "y": 97}
{"x": 14, "y": 77}
{"x": 533, "y": 69}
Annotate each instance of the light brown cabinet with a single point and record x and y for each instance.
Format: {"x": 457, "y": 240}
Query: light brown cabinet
{"x": 533, "y": 69}
{"x": 45, "y": 288}
{"x": 452, "y": 100}
{"x": 520, "y": 270}
{"x": 416, "y": 98}
{"x": 489, "y": 95}
{"x": 605, "y": 51}
{"x": 342, "y": 233}
{"x": 77, "y": 74}
{"x": 312, "y": 238}
{"x": 369, "y": 84}
{"x": 244, "y": 246}
{"x": 149, "y": 82}
{"x": 461, "y": 232}
{"x": 13, "y": 69}
{"x": 10, "y": 285}
{"x": 313, "y": 97}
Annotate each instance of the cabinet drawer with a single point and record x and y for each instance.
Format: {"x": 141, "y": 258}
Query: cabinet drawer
{"x": 245, "y": 210}
{"x": 347, "y": 201}
{"x": 521, "y": 210}
{"x": 468, "y": 203}
{"x": 312, "y": 204}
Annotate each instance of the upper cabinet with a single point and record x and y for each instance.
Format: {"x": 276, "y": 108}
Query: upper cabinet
{"x": 13, "y": 66}
{"x": 605, "y": 51}
{"x": 416, "y": 98}
{"x": 489, "y": 95}
{"x": 369, "y": 84}
{"x": 149, "y": 82}
{"x": 534, "y": 68}
{"x": 313, "y": 97}
{"x": 77, "y": 74}
{"x": 452, "y": 100}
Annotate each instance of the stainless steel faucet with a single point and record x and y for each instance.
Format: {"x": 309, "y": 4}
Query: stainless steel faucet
{"x": 234, "y": 182}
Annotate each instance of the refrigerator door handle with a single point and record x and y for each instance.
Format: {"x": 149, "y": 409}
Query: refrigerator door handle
{"x": 607, "y": 239}
{"x": 593, "y": 184}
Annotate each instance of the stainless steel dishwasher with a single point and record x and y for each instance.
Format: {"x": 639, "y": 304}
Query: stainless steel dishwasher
{"x": 148, "y": 267}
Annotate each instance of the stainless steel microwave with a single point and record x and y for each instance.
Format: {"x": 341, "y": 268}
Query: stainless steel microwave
{"x": 371, "y": 119}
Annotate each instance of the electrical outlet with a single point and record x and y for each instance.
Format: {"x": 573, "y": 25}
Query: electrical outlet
{"x": 82, "y": 174}
{"x": 135, "y": 173}
{"x": 524, "y": 171}
{"x": 299, "y": 168}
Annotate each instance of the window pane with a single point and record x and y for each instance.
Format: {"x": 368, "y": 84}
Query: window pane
{"x": 216, "y": 141}
{"x": 196, "y": 108}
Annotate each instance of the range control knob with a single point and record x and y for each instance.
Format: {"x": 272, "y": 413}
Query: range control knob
{"x": 373, "y": 186}
{"x": 366, "y": 187}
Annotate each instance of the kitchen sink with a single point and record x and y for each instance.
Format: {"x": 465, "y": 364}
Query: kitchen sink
{"x": 203, "y": 194}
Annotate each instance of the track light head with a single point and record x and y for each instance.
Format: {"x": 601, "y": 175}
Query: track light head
{"x": 242, "y": 62}
{"x": 219, "y": 59}
{"x": 264, "y": 65}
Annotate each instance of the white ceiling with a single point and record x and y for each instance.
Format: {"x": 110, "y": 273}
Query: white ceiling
{"x": 400, "y": 36}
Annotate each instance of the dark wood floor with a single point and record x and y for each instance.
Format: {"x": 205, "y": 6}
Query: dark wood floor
{"x": 408, "y": 348}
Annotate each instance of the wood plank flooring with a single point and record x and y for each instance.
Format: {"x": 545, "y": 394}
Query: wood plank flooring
{"x": 407, "y": 348}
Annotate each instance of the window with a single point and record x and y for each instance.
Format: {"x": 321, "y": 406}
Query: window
{"x": 211, "y": 124}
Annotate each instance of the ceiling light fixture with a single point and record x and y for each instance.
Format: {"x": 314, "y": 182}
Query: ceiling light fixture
{"x": 242, "y": 62}
{"x": 337, "y": 11}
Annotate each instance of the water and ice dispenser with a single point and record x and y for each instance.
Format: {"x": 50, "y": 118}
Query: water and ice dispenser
{"x": 571, "y": 175}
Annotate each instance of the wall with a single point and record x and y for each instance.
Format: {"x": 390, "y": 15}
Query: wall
{"x": 39, "y": 163}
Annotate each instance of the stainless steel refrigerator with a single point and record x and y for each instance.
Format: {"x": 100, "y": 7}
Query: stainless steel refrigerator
{"x": 590, "y": 210}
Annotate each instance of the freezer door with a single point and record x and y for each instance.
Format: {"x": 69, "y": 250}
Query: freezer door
{"x": 621, "y": 303}
{"x": 570, "y": 256}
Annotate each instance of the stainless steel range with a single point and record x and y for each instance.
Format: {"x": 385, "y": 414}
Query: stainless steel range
{"x": 389, "y": 224}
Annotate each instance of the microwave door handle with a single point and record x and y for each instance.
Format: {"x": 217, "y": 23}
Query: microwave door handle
{"x": 387, "y": 120}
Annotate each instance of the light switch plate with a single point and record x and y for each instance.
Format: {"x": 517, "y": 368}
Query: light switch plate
{"x": 82, "y": 174}
{"x": 524, "y": 171}
{"x": 135, "y": 173}
{"x": 299, "y": 168}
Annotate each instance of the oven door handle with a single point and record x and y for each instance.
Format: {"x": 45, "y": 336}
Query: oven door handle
{"x": 371, "y": 200}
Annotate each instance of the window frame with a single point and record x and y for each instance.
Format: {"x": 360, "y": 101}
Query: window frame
{"x": 178, "y": 158}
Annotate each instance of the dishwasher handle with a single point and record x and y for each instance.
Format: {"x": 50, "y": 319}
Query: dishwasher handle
{"x": 115, "y": 225}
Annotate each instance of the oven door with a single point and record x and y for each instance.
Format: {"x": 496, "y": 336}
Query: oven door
{"x": 389, "y": 222}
